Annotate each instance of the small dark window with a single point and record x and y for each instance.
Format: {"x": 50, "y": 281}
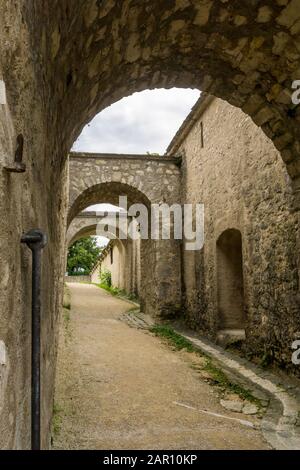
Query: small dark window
{"x": 111, "y": 256}
{"x": 201, "y": 135}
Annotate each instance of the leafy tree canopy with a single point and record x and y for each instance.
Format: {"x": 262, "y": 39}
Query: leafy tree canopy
{"x": 82, "y": 256}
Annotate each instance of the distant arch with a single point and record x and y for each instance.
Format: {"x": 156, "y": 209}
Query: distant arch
{"x": 105, "y": 193}
{"x": 102, "y": 178}
{"x": 87, "y": 231}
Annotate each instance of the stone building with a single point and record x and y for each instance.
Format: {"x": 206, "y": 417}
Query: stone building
{"x": 244, "y": 281}
{"x": 122, "y": 258}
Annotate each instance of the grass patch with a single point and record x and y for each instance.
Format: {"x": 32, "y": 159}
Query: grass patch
{"x": 218, "y": 377}
{"x": 67, "y": 298}
{"x": 224, "y": 382}
{"x": 56, "y": 420}
{"x": 117, "y": 292}
{"x": 111, "y": 290}
{"x": 66, "y": 317}
{"x": 174, "y": 339}
{"x": 66, "y": 313}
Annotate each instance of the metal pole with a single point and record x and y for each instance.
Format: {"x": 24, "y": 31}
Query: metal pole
{"x": 36, "y": 240}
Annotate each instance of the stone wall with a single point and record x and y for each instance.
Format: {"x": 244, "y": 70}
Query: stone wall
{"x": 114, "y": 261}
{"x": 239, "y": 176}
{"x": 77, "y": 278}
{"x": 124, "y": 265}
{"x": 28, "y": 200}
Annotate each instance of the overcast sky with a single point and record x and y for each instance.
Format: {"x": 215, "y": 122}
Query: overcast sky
{"x": 143, "y": 122}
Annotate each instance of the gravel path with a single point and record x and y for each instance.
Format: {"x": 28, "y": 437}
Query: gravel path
{"x": 122, "y": 388}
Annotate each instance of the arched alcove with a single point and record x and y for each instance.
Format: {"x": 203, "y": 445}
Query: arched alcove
{"x": 230, "y": 280}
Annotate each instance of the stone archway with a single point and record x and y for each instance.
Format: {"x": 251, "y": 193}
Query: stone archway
{"x": 160, "y": 260}
{"x": 85, "y": 224}
{"x": 145, "y": 179}
{"x": 244, "y": 52}
{"x": 85, "y": 231}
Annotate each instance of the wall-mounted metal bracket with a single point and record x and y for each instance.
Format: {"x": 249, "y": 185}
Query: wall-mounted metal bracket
{"x": 17, "y": 166}
{"x": 36, "y": 240}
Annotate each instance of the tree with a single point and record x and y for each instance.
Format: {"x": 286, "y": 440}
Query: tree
{"x": 82, "y": 256}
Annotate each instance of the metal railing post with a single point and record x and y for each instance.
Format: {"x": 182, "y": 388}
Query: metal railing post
{"x": 36, "y": 240}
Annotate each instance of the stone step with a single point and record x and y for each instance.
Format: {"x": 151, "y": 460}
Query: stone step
{"x": 230, "y": 336}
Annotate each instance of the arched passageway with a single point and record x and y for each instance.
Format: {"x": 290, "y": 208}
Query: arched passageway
{"x": 160, "y": 261}
{"x": 86, "y": 231}
{"x": 124, "y": 265}
{"x": 230, "y": 280}
{"x": 92, "y": 223}
{"x": 144, "y": 179}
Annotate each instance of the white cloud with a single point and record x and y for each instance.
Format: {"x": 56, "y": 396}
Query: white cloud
{"x": 145, "y": 121}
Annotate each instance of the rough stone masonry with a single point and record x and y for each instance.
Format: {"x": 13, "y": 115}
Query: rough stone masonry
{"x": 245, "y": 277}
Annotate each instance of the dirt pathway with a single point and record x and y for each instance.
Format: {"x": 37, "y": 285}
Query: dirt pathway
{"x": 120, "y": 388}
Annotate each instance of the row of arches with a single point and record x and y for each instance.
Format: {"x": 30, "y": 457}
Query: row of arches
{"x": 157, "y": 270}
{"x": 124, "y": 259}
{"x": 229, "y": 173}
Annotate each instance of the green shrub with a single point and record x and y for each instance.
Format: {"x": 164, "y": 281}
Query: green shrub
{"x": 175, "y": 339}
{"x": 105, "y": 277}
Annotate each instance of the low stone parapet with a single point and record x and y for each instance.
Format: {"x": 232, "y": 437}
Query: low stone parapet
{"x": 77, "y": 278}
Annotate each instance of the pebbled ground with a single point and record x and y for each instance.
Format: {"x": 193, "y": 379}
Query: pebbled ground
{"x": 122, "y": 388}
